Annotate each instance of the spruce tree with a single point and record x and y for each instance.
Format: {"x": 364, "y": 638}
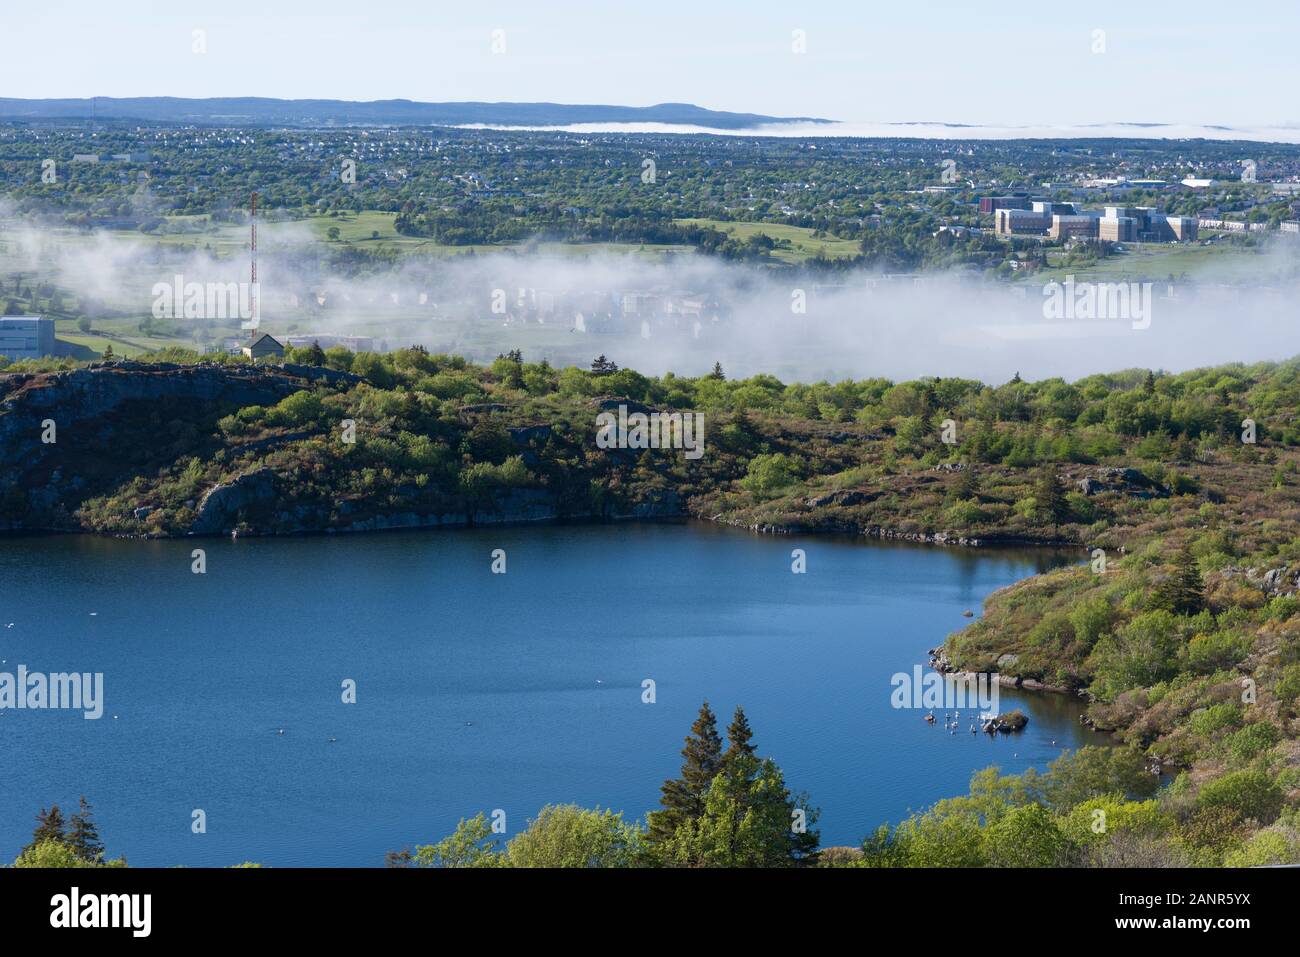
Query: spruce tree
{"x": 739, "y": 734}
{"x": 49, "y": 827}
{"x": 683, "y": 798}
{"x": 1049, "y": 494}
{"x": 1183, "y": 592}
{"x": 83, "y": 835}
{"x": 966, "y": 487}
{"x": 717, "y": 372}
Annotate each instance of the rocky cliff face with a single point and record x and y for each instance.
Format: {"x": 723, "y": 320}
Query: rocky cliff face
{"x": 65, "y": 435}
{"x": 99, "y": 389}
{"x": 133, "y": 449}
{"x": 220, "y": 507}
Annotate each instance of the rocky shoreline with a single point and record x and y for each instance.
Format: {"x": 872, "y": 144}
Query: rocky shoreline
{"x": 941, "y": 663}
{"x": 888, "y": 534}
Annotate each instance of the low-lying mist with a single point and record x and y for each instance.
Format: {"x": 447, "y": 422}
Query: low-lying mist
{"x": 680, "y": 312}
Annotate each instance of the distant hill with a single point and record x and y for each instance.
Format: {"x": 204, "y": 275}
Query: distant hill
{"x": 261, "y": 111}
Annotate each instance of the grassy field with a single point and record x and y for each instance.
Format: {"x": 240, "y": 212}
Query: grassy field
{"x": 1218, "y": 263}
{"x": 803, "y": 245}
{"x": 98, "y": 344}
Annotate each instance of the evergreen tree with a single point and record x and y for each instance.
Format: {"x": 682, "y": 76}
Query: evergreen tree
{"x": 83, "y": 835}
{"x": 315, "y": 355}
{"x": 602, "y": 366}
{"x": 1183, "y": 592}
{"x": 739, "y": 735}
{"x": 966, "y": 487}
{"x": 49, "y": 827}
{"x": 683, "y": 798}
{"x": 929, "y": 400}
{"x": 717, "y": 372}
{"x": 1049, "y": 494}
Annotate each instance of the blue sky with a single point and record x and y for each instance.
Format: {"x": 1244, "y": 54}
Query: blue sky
{"x": 1178, "y": 62}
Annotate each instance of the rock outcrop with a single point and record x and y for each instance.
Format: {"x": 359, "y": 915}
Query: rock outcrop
{"x": 66, "y": 436}
{"x": 220, "y": 508}
{"x": 1128, "y": 481}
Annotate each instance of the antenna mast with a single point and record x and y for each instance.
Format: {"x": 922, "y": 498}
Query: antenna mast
{"x": 252, "y": 325}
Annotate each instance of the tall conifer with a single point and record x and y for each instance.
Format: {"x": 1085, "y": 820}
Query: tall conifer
{"x": 739, "y": 734}
{"x": 83, "y": 835}
{"x": 683, "y": 798}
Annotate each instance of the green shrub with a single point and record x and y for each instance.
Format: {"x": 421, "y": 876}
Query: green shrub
{"x": 768, "y": 474}
{"x": 1252, "y": 740}
{"x": 1216, "y": 718}
{"x": 1252, "y": 795}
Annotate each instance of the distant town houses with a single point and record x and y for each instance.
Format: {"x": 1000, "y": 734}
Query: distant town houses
{"x": 136, "y": 157}
{"x": 330, "y": 340}
{"x": 264, "y": 345}
{"x": 611, "y": 311}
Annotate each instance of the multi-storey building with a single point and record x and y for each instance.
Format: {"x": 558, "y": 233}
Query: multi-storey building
{"x": 26, "y": 337}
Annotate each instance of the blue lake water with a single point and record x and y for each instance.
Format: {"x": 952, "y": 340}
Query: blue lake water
{"x": 476, "y": 691}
